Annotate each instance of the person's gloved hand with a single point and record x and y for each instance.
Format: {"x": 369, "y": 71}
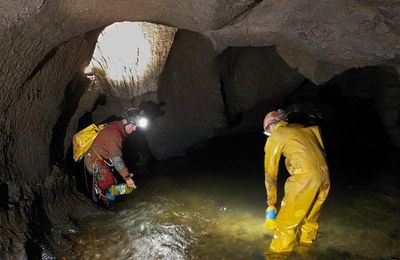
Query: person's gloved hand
{"x": 129, "y": 181}
{"x": 270, "y": 216}
{"x": 109, "y": 196}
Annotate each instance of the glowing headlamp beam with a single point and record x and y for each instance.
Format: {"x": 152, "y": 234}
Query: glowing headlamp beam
{"x": 143, "y": 122}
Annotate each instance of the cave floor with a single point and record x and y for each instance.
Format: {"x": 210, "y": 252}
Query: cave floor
{"x": 210, "y": 205}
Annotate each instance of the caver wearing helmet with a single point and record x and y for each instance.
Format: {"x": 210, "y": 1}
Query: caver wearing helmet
{"x": 271, "y": 119}
{"x": 133, "y": 116}
{"x": 305, "y": 189}
{"x": 105, "y": 155}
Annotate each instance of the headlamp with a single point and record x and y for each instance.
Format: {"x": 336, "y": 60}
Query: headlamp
{"x": 267, "y": 133}
{"x": 142, "y": 122}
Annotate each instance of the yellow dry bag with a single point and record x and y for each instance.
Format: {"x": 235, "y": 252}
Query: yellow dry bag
{"x": 82, "y": 140}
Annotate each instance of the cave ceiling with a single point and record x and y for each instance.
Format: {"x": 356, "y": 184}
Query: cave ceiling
{"x": 318, "y": 38}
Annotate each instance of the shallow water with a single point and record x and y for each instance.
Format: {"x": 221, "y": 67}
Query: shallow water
{"x": 207, "y": 206}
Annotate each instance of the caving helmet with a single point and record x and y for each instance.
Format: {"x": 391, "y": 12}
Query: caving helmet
{"x": 273, "y": 117}
{"x": 135, "y": 116}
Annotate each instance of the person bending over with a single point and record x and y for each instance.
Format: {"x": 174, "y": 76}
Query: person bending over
{"x": 105, "y": 155}
{"x": 305, "y": 190}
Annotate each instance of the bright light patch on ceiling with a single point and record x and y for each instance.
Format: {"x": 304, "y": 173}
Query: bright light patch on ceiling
{"x": 122, "y": 52}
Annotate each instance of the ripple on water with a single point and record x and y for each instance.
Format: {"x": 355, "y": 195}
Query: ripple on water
{"x": 162, "y": 228}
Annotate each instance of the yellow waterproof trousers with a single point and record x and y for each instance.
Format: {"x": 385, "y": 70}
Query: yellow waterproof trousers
{"x": 300, "y": 209}
{"x": 305, "y": 190}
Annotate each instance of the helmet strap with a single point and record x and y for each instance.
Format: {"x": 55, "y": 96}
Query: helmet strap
{"x": 125, "y": 124}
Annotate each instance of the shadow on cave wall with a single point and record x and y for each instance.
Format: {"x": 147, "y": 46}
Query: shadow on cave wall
{"x": 355, "y": 134}
{"x": 40, "y": 225}
{"x": 347, "y": 109}
{"x": 3, "y": 196}
{"x": 253, "y": 80}
{"x": 73, "y": 92}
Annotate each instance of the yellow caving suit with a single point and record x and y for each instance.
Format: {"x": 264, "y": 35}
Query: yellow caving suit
{"x": 305, "y": 190}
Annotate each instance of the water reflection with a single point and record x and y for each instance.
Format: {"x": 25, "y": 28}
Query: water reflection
{"x": 216, "y": 212}
{"x": 175, "y": 217}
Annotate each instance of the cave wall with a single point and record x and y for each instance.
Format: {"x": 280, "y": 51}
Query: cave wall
{"x": 33, "y": 187}
{"x": 30, "y": 116}
{"x": 44, "y": 212}
{"x": 189, "y": 86}
{"x": 254, "y": 81}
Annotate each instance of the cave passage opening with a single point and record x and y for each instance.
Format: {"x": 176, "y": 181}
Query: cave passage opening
{"x": 122, "y": 53}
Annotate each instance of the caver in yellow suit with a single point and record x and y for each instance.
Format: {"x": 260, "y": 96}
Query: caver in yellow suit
{"x": 305, "y": 190}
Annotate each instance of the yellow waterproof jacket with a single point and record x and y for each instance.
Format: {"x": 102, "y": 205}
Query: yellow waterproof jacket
{"x": 302, "y": 148}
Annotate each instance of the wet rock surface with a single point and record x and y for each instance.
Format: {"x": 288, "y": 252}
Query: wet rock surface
{"x": 48, "y": 210}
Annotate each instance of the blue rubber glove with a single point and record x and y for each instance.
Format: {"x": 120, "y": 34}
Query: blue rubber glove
{"x": 270, "y": 213}
{"x": 270, "y": 216}
{"x": 109, "y": 196}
